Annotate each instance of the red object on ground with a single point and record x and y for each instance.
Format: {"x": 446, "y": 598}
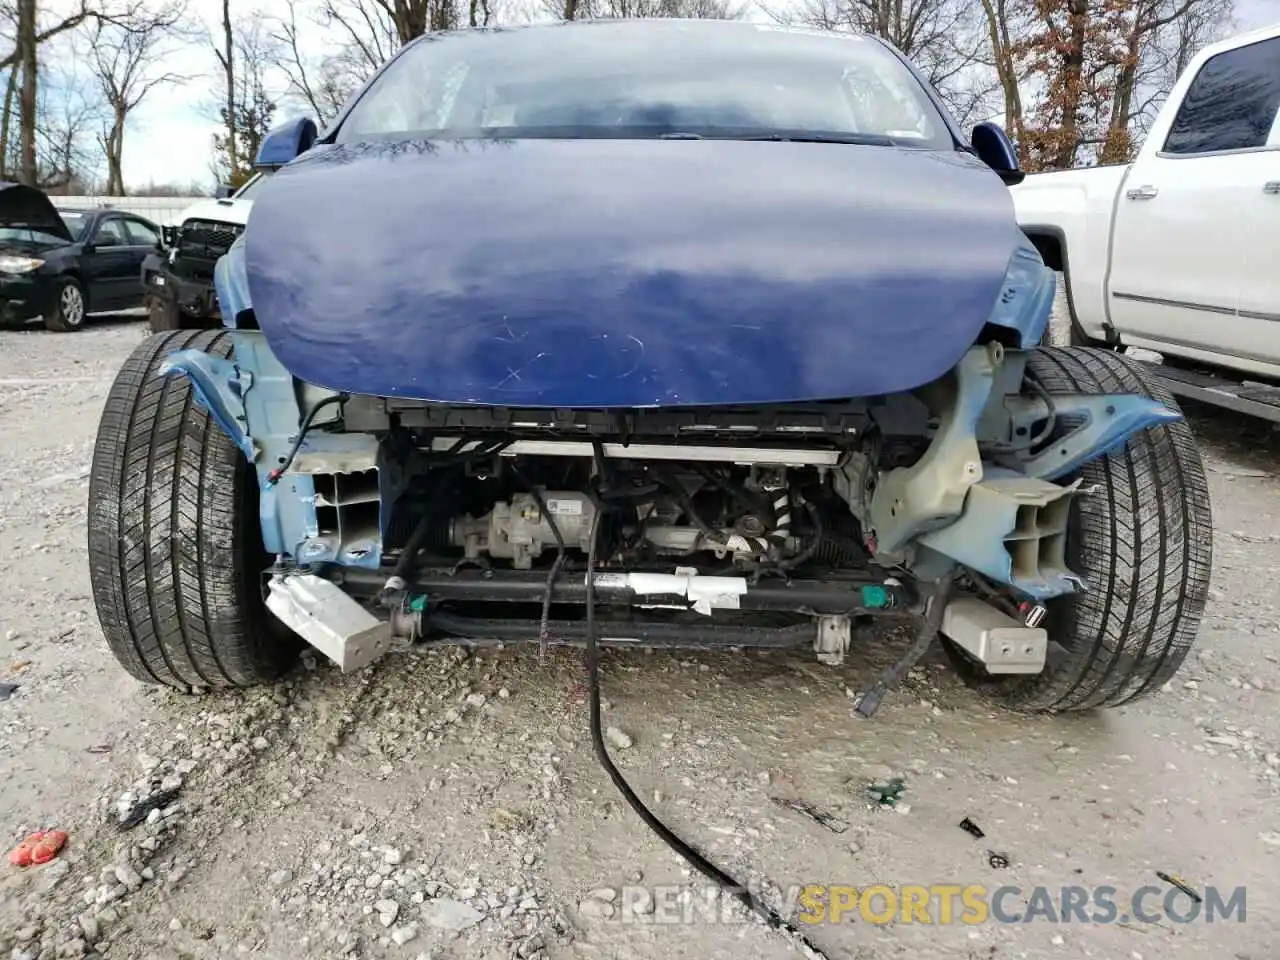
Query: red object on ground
{"x": 38, "y": 848}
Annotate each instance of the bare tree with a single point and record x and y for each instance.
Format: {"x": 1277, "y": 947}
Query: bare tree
{"x": 945, "y": 39}
{"x": 326, "y": 79}
{"x": 1006, "y": 24}
{"x": 124, "y": 53}
{"x": 22, "y": 62}
{"x": 247, "y": 103}
{"x": 69, "y": 111}
{"x": 643, "y": 9}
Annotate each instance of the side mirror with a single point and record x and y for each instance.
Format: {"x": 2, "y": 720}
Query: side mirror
{"x": 286, "y": 142}
{"x": 995, "y": 149}
{"x": 222, "y": 191}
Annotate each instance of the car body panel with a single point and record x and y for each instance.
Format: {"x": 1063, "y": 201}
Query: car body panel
{"x": 627, "y": 273}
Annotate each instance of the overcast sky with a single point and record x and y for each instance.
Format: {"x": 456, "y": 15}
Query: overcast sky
{"x": 170, "y": 135}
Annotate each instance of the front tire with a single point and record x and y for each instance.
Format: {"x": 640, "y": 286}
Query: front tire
{"x": 163, "y": 315}
{"x": 175, "y": 552}
{"x": 1143, "y": 543}
{"x": 66, "y": 312}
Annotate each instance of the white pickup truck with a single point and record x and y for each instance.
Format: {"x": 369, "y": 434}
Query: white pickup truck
{"x": 1179, "y": 251}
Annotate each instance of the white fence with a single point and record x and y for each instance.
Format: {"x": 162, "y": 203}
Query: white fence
{"x": 161, "y": 210}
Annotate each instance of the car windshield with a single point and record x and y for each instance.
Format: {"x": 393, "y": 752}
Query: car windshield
{"x": 251, "y": 187}
{"x": 75, "y": 221}
{"x": 30, "y": 237}
{"x": 649, "y": 79}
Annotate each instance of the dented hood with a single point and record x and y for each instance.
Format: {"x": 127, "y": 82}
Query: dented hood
{"x": 625, "y": 273}
{"x": 29, "y": 208}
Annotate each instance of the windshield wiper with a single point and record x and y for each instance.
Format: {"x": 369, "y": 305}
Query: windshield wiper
{"x": 862, "y": 139}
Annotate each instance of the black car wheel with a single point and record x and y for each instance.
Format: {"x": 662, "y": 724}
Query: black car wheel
{"x": 67, "y": 310}
{"x": 1142, "y": 540}
{"x": 175, "y": 548}
{"x": 163, "y": 314}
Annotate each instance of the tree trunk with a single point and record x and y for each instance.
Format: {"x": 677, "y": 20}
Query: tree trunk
{"x": 1006, "y": 69}
{"x": 229, "y": 73}
{"x": 1072, "y": 79}
{"x": 27, "y": 103}
{"x": 10, "y": 88}
{"x": 1118, "y": 145}
{"x": 571, "y": 9}
{"x": 114, "y": 149}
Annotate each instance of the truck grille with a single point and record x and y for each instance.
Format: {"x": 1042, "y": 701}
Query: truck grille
{"x": 207, "y": 239}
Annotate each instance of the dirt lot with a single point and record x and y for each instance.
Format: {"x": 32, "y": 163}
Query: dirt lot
{"x": 448, "y": 806}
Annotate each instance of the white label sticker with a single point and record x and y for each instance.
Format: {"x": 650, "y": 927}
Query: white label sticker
{"x": 566, "y": 508}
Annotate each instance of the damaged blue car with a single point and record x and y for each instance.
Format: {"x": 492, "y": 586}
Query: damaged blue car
{"x": 667, "y": 333}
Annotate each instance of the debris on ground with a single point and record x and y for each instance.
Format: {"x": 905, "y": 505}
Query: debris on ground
{"x": 7, "y": 689}
{"x": 971, "y": 828}
{"x": 889, "y": 793}
{"x": 38, "y": 848}
{"x": 1181, "y": 884}
{"x": 137, "y": 812}
{"x": 618, "y": 739}
{"x": 824, "y": 817}
{"x": 998, "y": 861}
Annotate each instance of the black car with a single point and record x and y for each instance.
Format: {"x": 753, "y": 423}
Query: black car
{"x": 64, "y": 265}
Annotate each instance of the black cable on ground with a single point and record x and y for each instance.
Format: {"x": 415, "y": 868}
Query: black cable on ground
{"x": 935, "y": 606}
{"x": 704, "y": 866}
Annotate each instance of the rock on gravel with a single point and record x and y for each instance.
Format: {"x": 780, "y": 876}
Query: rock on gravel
{"x": 451, "y": 915}
{"x": 618, "y": 738}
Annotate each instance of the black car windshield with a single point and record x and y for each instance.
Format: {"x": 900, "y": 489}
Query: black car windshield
{"x": 75, "y": 221}
{"x": 30, "y": 237}
{"x": 639, "y": 79}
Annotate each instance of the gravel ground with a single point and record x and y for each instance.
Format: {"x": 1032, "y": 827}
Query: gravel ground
{"x": 446, "y": 806}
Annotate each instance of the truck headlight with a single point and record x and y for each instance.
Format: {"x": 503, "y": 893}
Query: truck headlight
{"x": 11, "y": 264}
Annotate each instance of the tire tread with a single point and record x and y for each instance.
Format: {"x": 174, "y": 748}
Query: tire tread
{"x": 171, "y": 513}
{"x": 1143, "y": 542}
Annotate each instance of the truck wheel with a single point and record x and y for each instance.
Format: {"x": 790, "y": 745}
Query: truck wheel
{"x": 66, "y": 311}
{"x": 163, "y": 315}
{"x": 1143, "y": 543}
{"x": 175, "y": 554}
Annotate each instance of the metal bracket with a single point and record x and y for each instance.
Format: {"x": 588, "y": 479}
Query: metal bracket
{"x": 1109, "y": 420}
{"x": 1013, "y": 530}
{"x": 833, "y": 639}
{"x": 327, "y": 618}
{"x": 910, "y": 500}
{"x": 997, "y": 641}
{"x": 220, "y": 386}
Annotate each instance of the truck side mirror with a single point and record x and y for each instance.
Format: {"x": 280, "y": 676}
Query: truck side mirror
{"x": 994, "y": 148}
{"x": 285, "y": 142}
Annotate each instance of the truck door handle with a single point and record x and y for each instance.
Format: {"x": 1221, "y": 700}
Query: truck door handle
{"x": 1145, "y": 192}
{"x": 1271, "y": 186}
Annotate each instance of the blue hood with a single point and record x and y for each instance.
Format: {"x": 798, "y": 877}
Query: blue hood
{"x": 625, "y": 273}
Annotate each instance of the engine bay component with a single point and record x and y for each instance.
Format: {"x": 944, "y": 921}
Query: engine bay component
{"x": 520, "y": 530}
{"x": 1013, "y": 530}
{"x": 833, "y": 639}
{"x": 995, "y": 639}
